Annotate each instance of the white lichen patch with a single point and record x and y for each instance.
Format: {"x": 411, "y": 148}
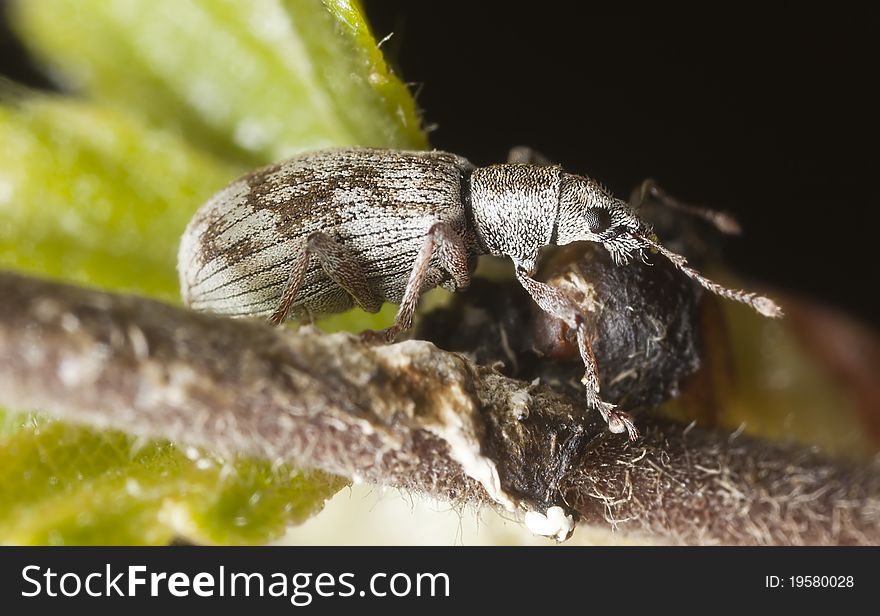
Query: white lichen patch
{"x": 520, "y": 402}
{"x": 164, "y": 385}
{"x": 451, "y": 417}
{"x": 555, "y": 523}
{"x": 79, "y": 369}
{"x": 466, "y": 451}
{"x": 138, "y": 341}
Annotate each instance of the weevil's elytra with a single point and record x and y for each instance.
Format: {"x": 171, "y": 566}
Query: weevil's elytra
{"x": 331, "y": 229}
{"x": 237, "y": 253}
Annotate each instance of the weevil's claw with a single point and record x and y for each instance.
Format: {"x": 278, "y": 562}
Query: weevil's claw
{"x": 373, "y": 337}
{"x": 275, "y": 320}
{"x": 382, "y": 336}
{"x": 618, "y": 421}
{"x": 391, "y": 333}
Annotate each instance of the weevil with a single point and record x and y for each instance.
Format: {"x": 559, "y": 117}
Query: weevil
{"x": 331, "y": 229}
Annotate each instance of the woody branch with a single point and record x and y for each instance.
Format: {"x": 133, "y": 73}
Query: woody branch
{"x": 383, "y": 413}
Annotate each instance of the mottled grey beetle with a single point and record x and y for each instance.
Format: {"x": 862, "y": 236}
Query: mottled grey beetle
{"x": 331, "y": 229}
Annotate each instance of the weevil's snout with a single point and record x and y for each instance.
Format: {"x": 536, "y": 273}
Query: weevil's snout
{"x": 588, "y": 212}
{"x": 622, "y": 237}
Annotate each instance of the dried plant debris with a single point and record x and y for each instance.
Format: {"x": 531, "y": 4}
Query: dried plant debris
{"x": 644, "y": 325}
{"x": 413, "y": 416}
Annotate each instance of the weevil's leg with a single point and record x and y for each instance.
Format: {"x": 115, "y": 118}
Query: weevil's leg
{"x": 443, "y": 242}
{"x": 294, "y": 282}
{"x": 557, "y": 303}
{"x": 523, "y": 154}
{"x": 617, "y": 421}
{"x": 340, "y": 265}
{"x": 648, "y": 193}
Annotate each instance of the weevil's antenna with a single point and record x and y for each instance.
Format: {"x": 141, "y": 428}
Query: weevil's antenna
{"x": 723, "y": 221}
{"x": 764, "y": 305}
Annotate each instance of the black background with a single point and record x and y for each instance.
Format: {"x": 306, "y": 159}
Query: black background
{"x": 772, "y": 116}
{"x": 769, "y": 115}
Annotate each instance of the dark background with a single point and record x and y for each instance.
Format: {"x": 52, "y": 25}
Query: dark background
{"x": 771, "y": 116}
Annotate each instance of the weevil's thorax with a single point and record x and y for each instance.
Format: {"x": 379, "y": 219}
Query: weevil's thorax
{"x": 514, "y": 209}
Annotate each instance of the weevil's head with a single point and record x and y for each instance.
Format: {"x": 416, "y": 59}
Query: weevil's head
{"x": 589, "y": 212}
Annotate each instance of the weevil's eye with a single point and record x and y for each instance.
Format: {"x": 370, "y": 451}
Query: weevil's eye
{"x": 598, "y": 219}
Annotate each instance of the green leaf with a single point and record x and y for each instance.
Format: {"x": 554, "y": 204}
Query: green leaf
{"x": 10, "y": 423}
{"x": 254, "y": 81}
{"x": 62, "y": 484}
{"x": 92, "y": 194}
{"x": 175, "y": 99}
